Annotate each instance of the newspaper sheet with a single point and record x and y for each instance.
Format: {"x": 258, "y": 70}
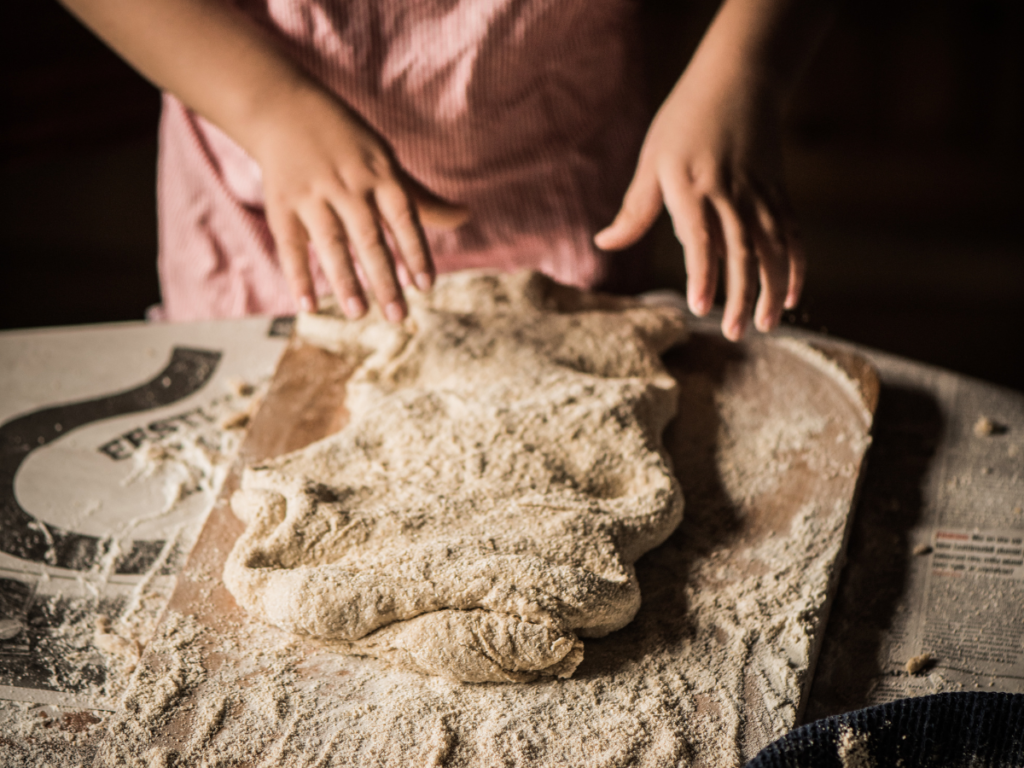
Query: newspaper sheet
{"x": 932, "y": 596}
{"x": 113, "y": 443}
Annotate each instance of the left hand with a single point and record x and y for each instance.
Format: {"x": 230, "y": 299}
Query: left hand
{"x": 712, "y": 156}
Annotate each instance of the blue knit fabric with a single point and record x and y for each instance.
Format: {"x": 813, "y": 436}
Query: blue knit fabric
{"x": 979, "y": 730}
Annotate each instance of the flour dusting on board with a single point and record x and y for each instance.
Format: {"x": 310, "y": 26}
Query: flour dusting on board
{"x": 710, "y": 670}
{"x": 754, "y": 462}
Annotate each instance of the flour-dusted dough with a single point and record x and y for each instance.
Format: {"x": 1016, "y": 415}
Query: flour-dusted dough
{"x": 501, "y": 473}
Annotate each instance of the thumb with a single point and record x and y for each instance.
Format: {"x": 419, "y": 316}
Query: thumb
{"x": 432, "y": 210}
{"x": 440, "y": 213}
{"x": 640, "y": 207}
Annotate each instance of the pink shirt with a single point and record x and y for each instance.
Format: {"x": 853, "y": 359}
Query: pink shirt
{"x": 525, "y": 111}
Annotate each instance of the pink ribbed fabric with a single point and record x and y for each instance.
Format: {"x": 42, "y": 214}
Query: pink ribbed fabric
{"x": 526, "y": 111}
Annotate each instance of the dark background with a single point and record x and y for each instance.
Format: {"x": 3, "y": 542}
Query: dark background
{"x": 904, "y": 160}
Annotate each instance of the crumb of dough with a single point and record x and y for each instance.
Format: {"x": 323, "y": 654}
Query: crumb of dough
{"x": 239, "y": 387}
{"x": 853, "y": 749}
{"x": 923, "y": 549}
{"x": 482, "y": 511}
{"x": 109, "y": 641}
{"x": 919, "y": 663}
{"x": 10, "y": 628}
{"x": 984, "y": 426}
{"x": 237, "y": 420}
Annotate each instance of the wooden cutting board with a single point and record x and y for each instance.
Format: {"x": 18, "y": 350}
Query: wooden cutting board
{"x": 769, "y": 448}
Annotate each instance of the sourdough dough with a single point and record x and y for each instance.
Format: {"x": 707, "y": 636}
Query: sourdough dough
{"x": 482, "y": 510}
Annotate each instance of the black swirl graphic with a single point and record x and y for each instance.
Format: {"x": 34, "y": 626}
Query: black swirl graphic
{"x": 21, "y": 534}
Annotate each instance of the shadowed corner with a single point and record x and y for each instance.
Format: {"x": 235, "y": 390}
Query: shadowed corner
{"x": 908, "y": 427}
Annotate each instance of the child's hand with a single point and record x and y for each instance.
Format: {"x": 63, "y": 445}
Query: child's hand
{"x": 712, "y": 156}
{"x": 331, "y": 181}
{"x": 328, "y": 179}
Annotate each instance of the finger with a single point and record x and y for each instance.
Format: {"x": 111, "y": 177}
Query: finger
{"x": 332, "y": 250}
{"x": 794, "y": 249}
{"x": 692, "y": 227}
{"x": 740, "y": 271}
{"x": 400, "y": 218}
{"x": 773, "y": 267}
{"x": 404, "y": 278}
{"x": 364, "y": 236}
{"x": 433, "y": 211}
{"x": 640, "y": 207}
{"x": 797, "y": 272}
{"x": 293, "y": 255}
{"x": 442, "y": 215}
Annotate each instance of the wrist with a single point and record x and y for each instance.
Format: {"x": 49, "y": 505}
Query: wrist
{"x": 266, "y": 118}
{"x": 768, "y": 42}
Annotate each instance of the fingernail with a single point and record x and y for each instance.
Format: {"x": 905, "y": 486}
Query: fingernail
{"x": 394, "y": 312}
{"x": 306, "y": 304}
{"x": 699, "y": 306}
{"x": 423, "y": 281}
{"x": 762, "y": 321}
{"x": 354, "y": 307}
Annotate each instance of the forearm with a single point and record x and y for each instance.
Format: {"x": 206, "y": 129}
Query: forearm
{"x": 770, "y": 41}
{"x": 206, "y": 52}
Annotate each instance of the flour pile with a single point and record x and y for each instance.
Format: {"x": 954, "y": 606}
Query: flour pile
{"x": 482, "y": 511}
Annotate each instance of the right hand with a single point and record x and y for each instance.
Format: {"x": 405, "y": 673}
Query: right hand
{"x": 713, "y": 158}
{"x": 330, "y": 181}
